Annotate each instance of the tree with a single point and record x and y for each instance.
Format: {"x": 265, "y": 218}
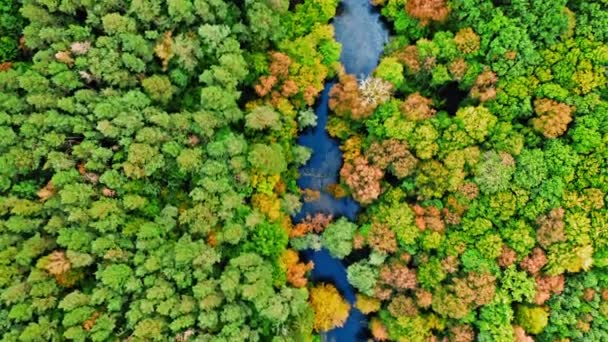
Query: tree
{"x": 263, "y": 117}
{"x": 267, "y": 159}
{"x": 363, "y": 277}
{"x": 362, "y": 179}
{"x": 330, "y": 309}
{"x": 532, "y": 319}
{"x": 338, "y": 237}
{"x": 493, "y": 174}
{"x": 553, "y": 117}
{"x": 390, "y": 70}
{"x": 426, "y": 11}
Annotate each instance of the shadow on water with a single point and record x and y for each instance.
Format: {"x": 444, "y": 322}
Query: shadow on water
{"x": 358, "y": 27}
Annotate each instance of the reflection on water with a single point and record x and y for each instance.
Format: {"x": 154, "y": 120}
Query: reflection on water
{"x": 362, "y": 35}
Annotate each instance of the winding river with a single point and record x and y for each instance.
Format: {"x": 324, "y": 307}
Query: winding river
{"x": 363, "y": 35}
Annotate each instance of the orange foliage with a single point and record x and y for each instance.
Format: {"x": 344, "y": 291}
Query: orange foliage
{"x": 476, "y": 288}
{"x": 453, "y": 211}
{"x": 520, "y": 334}
{"x": 485, "y": 86}
{"x": 5, "y": 66}
{"x": 382, "y": 238}
{"x": 424, "y": 298}
{"x": 392, "y": 154}
{"x": 69, "y": 279}
{"x": 363, "y": 179}
{"x": 330, "y": 309}
{"x": 551, "y": 227}
{"x": 64, "y": 57}
{"x": 410, "y": 57}
{"x": 90, "y": 323}
{"x": 107, "y": 192}
{"x": 316, "y": 223}
{"x": 458, "y": 68}
{"x": 279, "y": 65}
{"x": 46, "y": 192}
{"x": 337, "y": 191}
{"x": 311, "y": 195}
{"x": 546, "y": 286}
{"x": 462, "y": 333}
{"x": 279, "y": 70}
{"x": 378, "y": 329}
{"x": 289, "y": 88}
{"x": 589, "y": 294}
{"x": 417, "y": 107}
{"x": 265, "y": 85}
{"x": 296, "y": 271}
{"x": 534, "y": 263}
{"x": 469, "y": 190}
{"x": 401, "y": 305}
{"x": 358, "y": 241}
{"x": 310, "y": 94}
{"x": 212, "y": 239}
{"x": 345, "y": 99}
{"x": 58, "y": 263}
{"x": 511, "y": 55}
{"x": 427, "y": 10}
{"x": 398, "y": 276}
{"x": 553, "y": 117}
{"x": 428, "y": 218}
{"x": 507, "y": 257}
{"x": 450, "y": 264}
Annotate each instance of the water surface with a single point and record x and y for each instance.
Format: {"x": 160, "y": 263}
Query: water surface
{"x": 362, "y": 34}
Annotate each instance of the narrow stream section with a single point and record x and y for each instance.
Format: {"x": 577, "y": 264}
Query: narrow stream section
{"x": 363, "y": 35}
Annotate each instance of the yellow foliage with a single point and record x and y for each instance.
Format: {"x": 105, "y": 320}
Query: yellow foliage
{"x": 269, "y": 205}
{"x": 58, "y": 263}
{"x": 587, "y": 78}
{"x": 164, "y": 49}
{"x": 46, "y": 192}
{"x": 330, "y": 309}
{"x": 367, "y": 304}
{"x": 352, "y": 147}
{"x": 265, "y": 183}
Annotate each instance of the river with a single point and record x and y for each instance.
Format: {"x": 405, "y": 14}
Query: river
{"x": 361, "y": 32}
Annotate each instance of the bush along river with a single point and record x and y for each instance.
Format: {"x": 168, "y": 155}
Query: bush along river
{"x": 361, "y": 32}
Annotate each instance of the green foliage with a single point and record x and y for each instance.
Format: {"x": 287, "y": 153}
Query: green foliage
{"x": 11, "y": 25}
{"x": 338, "y": 237}
{"x": 267, "y": 159}
{"x": 506, "y": 196}
{"x": 141, "y": 196}
{"x": 363, "y": 277}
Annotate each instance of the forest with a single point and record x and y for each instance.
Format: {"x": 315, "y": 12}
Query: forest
{"x": 149, "y": 165}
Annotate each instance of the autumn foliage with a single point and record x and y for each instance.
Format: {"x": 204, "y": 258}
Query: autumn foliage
{"x": 311, "y": 223}
{"x": 363, "y": 179}
{"x": 553, "y": 117}
{"x": 296, "y": 270}
{"x": 330, "y": 309}
{"x": 427, "y": 10}
{"x": 346, "y": 99}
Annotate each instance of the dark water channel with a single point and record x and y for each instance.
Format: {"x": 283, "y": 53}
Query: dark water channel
{"x": 363, "y": 35}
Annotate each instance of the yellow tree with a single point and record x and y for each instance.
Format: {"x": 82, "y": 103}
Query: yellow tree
{"x": 331, "y": 310}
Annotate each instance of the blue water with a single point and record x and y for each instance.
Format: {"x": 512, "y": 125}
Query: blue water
{"x": 362, "y": 35}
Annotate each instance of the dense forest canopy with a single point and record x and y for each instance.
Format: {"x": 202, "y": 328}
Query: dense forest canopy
{"x": 148, "y": 167}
